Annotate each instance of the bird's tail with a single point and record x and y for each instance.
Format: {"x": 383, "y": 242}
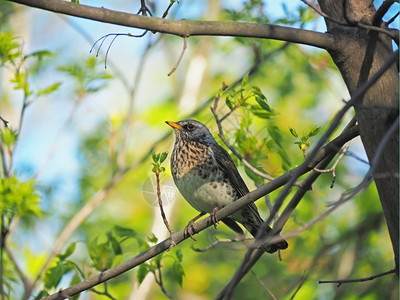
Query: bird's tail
{"x": 268, "y": 247}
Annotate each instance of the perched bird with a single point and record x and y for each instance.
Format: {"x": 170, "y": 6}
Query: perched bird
{"x": 208, "y": 179}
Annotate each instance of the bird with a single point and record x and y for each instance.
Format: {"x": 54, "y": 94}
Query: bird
{"x": 208, "y": 179}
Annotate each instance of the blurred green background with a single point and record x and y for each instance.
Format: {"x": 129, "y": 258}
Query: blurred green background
{"x": 91, "y": 123}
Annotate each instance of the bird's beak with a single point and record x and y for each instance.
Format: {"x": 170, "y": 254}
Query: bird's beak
{"x": 174, "y": 125}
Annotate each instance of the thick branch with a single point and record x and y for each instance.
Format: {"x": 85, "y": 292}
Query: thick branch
{"x": 178, "y": 237}
{"x": 185, "y": 28}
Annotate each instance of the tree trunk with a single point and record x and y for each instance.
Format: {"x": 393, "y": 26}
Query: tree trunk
{"x": 358, "y": 54}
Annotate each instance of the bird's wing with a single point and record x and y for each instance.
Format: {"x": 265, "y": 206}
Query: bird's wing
{"x": 226, "y": 163}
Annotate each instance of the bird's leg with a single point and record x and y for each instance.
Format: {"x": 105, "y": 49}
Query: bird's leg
{"x": 189, "y": 230}
{"x": 213, "y": 215}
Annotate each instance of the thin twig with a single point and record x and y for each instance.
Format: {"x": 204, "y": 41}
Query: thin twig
{"x": 392, "y": 19}
{"x": 219, "y": 241}
{"x": 24, "y": 279}
{"x": 165, "y": 14}
{"x": 161, "y": 205}
{"x": 105, "y": 293}
{"x": 263, "y": 285}
{"x": 180, "y": 57}
{"x": 103, "y": 39}
{"x": 303, "y": 279}
{"x": 159, "y": 280}
{"x": 144, "y": 9}
{"x": 341, "y": 281}
{"x": 236, "y": 106}
{"x": 333, "y": 168}
{"x": 377, "y": 155}
{"x": 5, "y": 122}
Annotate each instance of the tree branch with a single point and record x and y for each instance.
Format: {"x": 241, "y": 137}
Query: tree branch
{"x": 178, "y": 237}
{"x": 186, "y": 28}
{"x": 341, "y": 281}
{"x": 249, "y": 260}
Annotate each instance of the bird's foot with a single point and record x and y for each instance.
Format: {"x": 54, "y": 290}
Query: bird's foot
{"x": 213, "y": 215}
{"x": 189, "y": 230}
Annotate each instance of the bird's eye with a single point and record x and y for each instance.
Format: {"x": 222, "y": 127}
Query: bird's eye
{"x": 189, "y": 127}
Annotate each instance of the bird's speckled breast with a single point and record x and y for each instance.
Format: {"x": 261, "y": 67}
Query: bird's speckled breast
{"x": 198, "y": 177}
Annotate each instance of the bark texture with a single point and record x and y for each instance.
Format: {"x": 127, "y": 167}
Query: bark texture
{"x": 358, "y": 54}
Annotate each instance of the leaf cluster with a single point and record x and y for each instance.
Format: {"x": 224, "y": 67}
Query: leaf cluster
{"x": 254, "y": 103}
{"x": 174, "y": 270}
{"x": 303, "y": 139}
{"x": 158, "y": 159}
{"x": 19, "y": 198}
{"x": 87, "y": 76}
{"x": 252, "y": 11}
{"x": 250, "y": 98}
{"x": 24, "y": 65}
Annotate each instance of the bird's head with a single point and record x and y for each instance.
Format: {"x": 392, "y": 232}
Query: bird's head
{"x": 192, "y": 130}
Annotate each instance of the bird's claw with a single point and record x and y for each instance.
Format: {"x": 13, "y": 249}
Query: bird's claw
{"x": 189, "y": 230}
{"x": 213, "y": 215}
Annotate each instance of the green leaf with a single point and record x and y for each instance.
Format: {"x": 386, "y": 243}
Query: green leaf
{"x": 49, "y": 89}
{"x": 261, "y": 113}
{"x": 163, "y": 157}
{"x": 263, "y": 103}
{"x": 9, "y": 49}
{"x": 142, "y": 272}
{"x": 87, "y": 77}
{"x": 293, "y": 132}
{"x": 54, "y": 275}
{"x": 18, "y": 197}
{"x": 8, "y": 136}
{"x": 75, "y": 280}
{"x": 178, "y": 272}
{"x": 21, "y": 82}
{"x": 179, "y": 254}
{"x": 124, "y": 231}
{"x": 68, "y": 252}
{"x": 154, "y": 157}
{"x": 39, "y": 54}
{"x": 314, "y": 131}
{"x": 114, "y": 244}
{"x": 152, "y": 238}
{"x": 245, "y": 80}
{"x": 100, "y": 254}
{"x": 229, "y": 103}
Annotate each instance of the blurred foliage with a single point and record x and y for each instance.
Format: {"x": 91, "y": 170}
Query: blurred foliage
{"x": 283, "y": 103}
